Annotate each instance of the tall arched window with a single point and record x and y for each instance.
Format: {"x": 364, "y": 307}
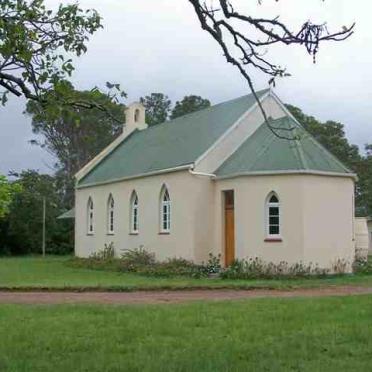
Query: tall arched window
{"x": 134, "y": 213}
{"x": 273, "y": 216}
{"x": 110, "y": 215}
{"x": 165, "y": 211}
{"x": 90, "y": 216}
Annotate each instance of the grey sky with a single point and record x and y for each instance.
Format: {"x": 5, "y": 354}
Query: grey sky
{"x": 158, "y": 46}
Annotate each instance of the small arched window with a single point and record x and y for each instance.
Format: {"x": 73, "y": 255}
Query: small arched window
{"x": 136, "y": 115}
{"x": 165, "y": 211}
{"x": 90, "y": 216}
{"x": 110, "y": 214}
{"x": 273, "y": 215}
{"x": 134, "y": 213}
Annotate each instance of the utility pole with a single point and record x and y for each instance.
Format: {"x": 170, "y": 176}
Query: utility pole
{"x": 44, "y": 216}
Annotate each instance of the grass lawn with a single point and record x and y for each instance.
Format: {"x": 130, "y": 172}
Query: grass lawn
{"x": 54, "y": 273}
{"x": 324, "y": 334}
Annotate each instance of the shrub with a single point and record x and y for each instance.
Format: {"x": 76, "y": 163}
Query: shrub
{"x": 255, "y": 268}
{"x": 213, "y": 265}
{"x": 107, "y": 253}
{"x": 174, "y": 267}
{"x": 362, "y": 266}
{"x": 340, "y": 266}
{"x": 138, "y": 257}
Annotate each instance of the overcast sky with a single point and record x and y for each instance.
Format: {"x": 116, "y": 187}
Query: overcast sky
{"x": 158, "y": 46}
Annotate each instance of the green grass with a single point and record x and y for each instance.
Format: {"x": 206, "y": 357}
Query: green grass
{"x": 324, "y": 334}
{"x": 54, "y": 273}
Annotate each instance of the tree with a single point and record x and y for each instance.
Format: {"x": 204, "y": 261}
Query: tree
{"x": 364, "y": 189}
{"x": 189, "y": 104}
{"x": 7, "y": 192}
{"x": 25, "y": 217}
{"x": 157, "y": 107}
{"x": 245, "y": 39}
{"x": 75, "y": 135}
{"x": 35, "y": 43}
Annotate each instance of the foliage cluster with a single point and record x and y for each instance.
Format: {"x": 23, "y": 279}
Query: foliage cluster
{"x": 21, "y": 226}
{"x": 159, "y": 107}
{"x": 142, "y": 262}
{"x": 362, "y": 266}
{"x": 36, "y": 44}
{"x": 255, "y": 268}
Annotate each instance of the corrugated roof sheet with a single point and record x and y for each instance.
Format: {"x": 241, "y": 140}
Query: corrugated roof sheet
{"x": 264, "y": 151}
{"x": 67, "y": 215}
{"x": 171, "y": 144}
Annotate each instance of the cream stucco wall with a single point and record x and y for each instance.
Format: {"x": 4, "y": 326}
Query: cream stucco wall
{"x": 328, "y": 220}
{"x": 316, "y": 218}
{"x": 250, "y": 230}
{"x": 189, "y": 228}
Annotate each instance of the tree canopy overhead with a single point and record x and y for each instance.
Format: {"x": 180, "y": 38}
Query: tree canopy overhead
{"x": 35, "y": 43}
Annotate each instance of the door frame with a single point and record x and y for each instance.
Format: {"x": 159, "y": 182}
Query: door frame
{"x": 228, "y": 205}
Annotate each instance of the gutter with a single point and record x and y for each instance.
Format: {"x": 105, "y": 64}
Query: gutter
{"x": 140, "y": 175}
{"x": 203, "y": 174}
{"x": 288, "y": 172}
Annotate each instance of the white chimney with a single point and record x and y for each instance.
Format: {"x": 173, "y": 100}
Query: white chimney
{"x": 135, "y": 117}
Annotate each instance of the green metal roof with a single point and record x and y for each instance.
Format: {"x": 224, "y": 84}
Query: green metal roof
{"x": 67, "y": 215}
{"x": 266, "y": 152}
{"x": 171, "y": 144}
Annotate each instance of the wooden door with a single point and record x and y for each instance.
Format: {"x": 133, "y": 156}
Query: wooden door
{"x": 229, "y": 228}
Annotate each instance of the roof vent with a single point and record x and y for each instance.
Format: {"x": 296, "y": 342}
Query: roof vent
{"x": 135, "y": 117}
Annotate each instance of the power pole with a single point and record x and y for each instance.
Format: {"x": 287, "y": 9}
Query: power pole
{"x": 44, "y": 216}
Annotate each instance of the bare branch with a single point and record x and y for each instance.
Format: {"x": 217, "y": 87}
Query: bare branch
{"x": 222, "y": 24}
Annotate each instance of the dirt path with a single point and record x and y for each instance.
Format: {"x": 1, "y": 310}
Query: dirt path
{"x": 153, "y": 297}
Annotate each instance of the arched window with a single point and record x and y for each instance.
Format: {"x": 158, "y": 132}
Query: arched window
{"x": 273, "y": 215}
{"x": 110, "y": 215}
{"x": 134, "y": 213}
{"x": 136, "y": 115}
{"x": 165, "y": 211}
{"x": 90, "y": 216}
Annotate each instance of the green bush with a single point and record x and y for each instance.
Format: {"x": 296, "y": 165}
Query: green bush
{"x": 362, "y": 266}
{"x": 107, "y": 253}
{"x": 255, "y": 268}
{"x": 142, "y": 262}
{"x": 213, "y": 265}
{"x": 138, "y": 257}
{"x": 174, "y": 267}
